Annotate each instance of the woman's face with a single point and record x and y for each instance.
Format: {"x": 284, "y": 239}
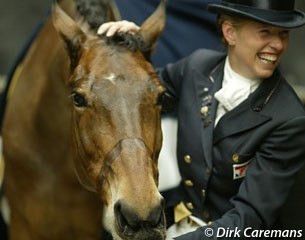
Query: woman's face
{"x": 255, "y": 48}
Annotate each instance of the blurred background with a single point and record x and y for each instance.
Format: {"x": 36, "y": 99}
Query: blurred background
{"x": 17, "y": 21}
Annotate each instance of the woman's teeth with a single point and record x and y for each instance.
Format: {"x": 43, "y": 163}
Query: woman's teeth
{"x": 268, "y": 58}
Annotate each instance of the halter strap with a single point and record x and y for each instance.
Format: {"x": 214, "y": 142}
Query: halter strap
{"x": 116, "y": 150}
{"x": 114, "y": 154}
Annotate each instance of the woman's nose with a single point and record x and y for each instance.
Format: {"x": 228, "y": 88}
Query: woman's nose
{"x": 279, "y": 43}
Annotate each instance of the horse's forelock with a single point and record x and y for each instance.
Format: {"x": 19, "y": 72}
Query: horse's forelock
{"x": 128, "y": 41}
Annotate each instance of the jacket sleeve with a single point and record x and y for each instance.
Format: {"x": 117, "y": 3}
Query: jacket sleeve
{"x": 265, "y": 187}
{"x": 175, "y": 76}
{"x": 172, "y": 77}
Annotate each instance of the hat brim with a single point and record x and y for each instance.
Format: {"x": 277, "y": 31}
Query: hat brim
{"x": 295, "y": 19}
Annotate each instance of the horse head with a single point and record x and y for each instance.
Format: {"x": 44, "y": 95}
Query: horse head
{"x": 116, "y": 126}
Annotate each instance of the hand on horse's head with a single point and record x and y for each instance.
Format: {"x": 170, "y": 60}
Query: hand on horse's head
{"x": 111, "y": 28}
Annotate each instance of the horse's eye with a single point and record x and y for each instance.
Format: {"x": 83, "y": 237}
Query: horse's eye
{"x": 79, "y": 100}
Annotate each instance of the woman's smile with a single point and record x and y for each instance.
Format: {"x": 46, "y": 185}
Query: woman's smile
{"x": 268, "y": 58}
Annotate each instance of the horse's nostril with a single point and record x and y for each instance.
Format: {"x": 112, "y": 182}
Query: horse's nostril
{"x": 162, "y": 203}
{"x": 129, "y": 221}
{"x": 126, "y": 219}
{"x": 117, "y": 207}
{"x": 156, "y": 216}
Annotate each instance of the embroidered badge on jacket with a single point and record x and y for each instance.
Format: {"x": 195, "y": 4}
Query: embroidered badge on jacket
{"x": 205, "y": 110}
{"x": 239, "y": 170}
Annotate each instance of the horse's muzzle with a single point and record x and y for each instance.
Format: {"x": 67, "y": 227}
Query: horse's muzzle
{"x": 130, "y": 226}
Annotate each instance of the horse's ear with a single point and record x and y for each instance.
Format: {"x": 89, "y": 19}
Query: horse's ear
{"x": 70, "y": 32}
{"x": 152, "y": 28}
{"x": 114, "y": 11}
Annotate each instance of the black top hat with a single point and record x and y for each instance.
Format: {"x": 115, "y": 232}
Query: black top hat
{"x": 280, "y": 13}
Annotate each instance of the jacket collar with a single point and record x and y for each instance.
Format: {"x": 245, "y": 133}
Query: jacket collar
{"x": 250, "y": 113}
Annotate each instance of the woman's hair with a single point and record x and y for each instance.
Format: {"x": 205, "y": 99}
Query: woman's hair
{"x": 236, "y": 22}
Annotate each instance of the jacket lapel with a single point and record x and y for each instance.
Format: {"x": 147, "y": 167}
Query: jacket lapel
{"x": 206, "y": 88}
{"x": 249, "y": 114}
{"x": 240, "y": 120}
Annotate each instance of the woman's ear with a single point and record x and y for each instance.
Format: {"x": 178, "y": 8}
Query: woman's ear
{"x": 229, "y": 33}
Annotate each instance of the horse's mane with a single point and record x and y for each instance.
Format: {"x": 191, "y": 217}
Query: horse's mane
{"x": 94, "y": 11}
{"x": 130, "y": 42}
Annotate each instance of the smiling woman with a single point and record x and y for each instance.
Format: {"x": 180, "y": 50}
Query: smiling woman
{"x": 254, "y": 57}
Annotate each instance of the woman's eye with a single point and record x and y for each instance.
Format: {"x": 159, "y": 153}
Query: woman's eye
{"x": 79, "y": 100}
{"x": 284, "y": 34}
{"x": 264, "y": 31}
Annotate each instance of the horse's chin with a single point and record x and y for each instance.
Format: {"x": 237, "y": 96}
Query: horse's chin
{"x": 125, "y": 233}
{"x": 143, "y": 233}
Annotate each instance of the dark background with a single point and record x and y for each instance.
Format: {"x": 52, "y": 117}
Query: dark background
{"x": 18, "y": 18}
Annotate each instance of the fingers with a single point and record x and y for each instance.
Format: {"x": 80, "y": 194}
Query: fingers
{"x": 111, "y": 28}
{"x": 104, "y": 28}
{"x": 129, "y": 27}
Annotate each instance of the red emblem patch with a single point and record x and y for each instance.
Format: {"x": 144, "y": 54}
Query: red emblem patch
{"x": 239, "y": 170}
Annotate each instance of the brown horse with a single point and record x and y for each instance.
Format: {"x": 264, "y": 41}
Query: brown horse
{"x": 108, "y": 130}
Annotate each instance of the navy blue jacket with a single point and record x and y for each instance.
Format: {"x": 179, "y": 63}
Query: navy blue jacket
{"x": 265, "y": 134}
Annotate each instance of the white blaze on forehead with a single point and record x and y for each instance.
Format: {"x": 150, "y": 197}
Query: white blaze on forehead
{"x": 111, "y": 77}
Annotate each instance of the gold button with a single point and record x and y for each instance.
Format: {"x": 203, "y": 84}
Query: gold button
{"x": 210, "y": 222}
{"x": 235, "y": 157}
{"x": 203, "y": 192}
{"x": 189, "y": 205}
{"x": 208, "y": 171}
{"x": 187, "y": 159}
{"x": 189, "y": 183}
